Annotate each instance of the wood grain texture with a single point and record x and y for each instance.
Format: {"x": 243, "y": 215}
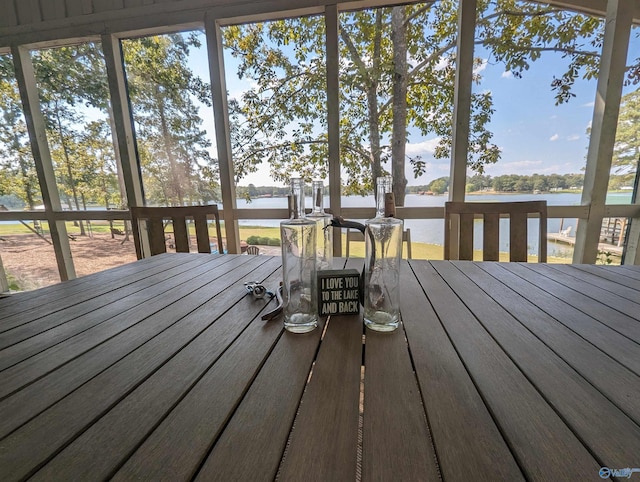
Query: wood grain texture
{"x": 496, "y": 376}
{"x": 517, "y": 213}
{"x": 60, "y": 424}
{"x": 25, "y": 328}
{"x": 68, "y": 325}
{"x": 611, "y": 292}
{"x": 611, "y": 331}
{"x": 461, "y": 425}
{"x": 22, "y": 302}
{"x": 87, "y": 356}
{"x": 617, "y": 276}
{"x": 275, "y": 396}
{"x": 235, "y": 347}
{"x": 523, "y": 415}
{"x": 396, "y": 441}
{"x": 332, "y": 394}
{"x": 603, "y": 427}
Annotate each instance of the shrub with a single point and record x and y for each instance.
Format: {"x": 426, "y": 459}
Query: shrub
{"x": 253, "y": 240}
{"x": 263, "y": 240}
{"x": 274, "y": 242}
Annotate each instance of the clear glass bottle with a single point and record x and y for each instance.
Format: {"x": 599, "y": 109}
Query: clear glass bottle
{"x": 299, "y": 293}
{"x": 383, "y": 241}
{"x": 324, "y": 231}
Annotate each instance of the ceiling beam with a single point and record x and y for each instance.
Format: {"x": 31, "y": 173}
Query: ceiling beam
{"x": 170, "y": 14}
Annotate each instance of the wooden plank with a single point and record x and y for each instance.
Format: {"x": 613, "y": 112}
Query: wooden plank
{"x": 618, "y": 383}
{"x": 491, "y": 237}
{"x": 68, "y": 326}
{"x": 85, "y": 357}
{"x": 9, "y": 17}
{"x": 55, "y": 428}
{"x": 329, "y": 410}
{"x": 74, "y": 8}
{"x": 20, "y": 302}
{"x": 202, "y": 235}
{"x": 275, "y": 395}
{"x": 612, "y": 332}
{"x": 466, "y": 236}
{"x": 103, "y": 5}
{"x": 23, "y": 325}
{"x": 157, "y": 242}
{"x": 524, "y": 417}
{"x": 626, "y": 270}
{"x": 598, "y": 423}
{"x": 469, "y": 444}
{"x": 627, "y": 278}
{"x": 396, "y": 442}
{"x": 133, "y": 3}
{"x": 53, "y": 9}
{"x": 518, "y": 237}
{"x": 608, "y": 281}
{"x": 180, "y": 235}
{"x": 28, "y": 11}
{"x": 581, "y": 284}
{"x": 237, "y": 343}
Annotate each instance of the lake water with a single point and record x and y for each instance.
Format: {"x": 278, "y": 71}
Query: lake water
{"x": 432, "y": 230}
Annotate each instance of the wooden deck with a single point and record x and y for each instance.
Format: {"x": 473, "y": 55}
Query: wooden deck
{"x": 571, "y": 241}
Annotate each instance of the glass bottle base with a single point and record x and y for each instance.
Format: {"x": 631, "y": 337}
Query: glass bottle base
{"x": 300, "y": 323}
{"x": 381, "y": 321}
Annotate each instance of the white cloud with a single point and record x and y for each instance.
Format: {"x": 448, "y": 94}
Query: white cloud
{"x": 421, "y": 148}
{"x": 589, "y": 104}
{"x": 480, "y": 67}
{"x": 507, "y": 75}
{"x": 554, "y": 137}
{"x": 574, "y": 137}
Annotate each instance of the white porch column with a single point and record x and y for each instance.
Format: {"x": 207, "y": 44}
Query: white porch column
{"x": 462, "y": 106}
{"x": 333, "y": 118}
{"x": 603, "y": 127}
{"x": 25, "y": 76}
{"x": 223, "y": 136}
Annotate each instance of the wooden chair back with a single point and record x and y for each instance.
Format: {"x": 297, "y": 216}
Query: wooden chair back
{"x": 253, "y": 250}
{"x": 154, "y": 220}
{"x": 517, "y": 212}
{"x": 355, "y": 235}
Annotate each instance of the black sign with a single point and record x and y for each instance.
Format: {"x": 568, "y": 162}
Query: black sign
{"x": 338, "y": 292}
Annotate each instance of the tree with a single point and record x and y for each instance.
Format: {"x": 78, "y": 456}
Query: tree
{"x": 18, "y": 168}
{"x": 397, "y": 74}
{"x": 626, "y": 153}
{"x": 172, "y": 146}
{"x": 440, "y": 185}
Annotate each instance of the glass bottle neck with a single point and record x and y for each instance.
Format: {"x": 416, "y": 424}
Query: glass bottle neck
{"x": 383, "y": 186}
{"x": 297, "y": 190}
{"x": 318, "y": 197}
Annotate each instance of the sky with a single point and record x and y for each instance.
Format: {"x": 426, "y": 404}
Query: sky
{"x": 534, "y": 135}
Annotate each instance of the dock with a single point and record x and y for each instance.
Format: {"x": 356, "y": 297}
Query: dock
{"x": 611, "y": 236}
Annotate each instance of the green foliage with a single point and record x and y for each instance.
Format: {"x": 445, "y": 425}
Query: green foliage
{"x": 173, "y": 148}
{"x": 263, "y": 241}
{"x": 626, "y": 154}
{"x": 282, "y": 120}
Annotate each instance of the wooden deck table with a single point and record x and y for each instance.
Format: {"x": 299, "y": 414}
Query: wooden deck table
{"x": 163, "y": 370}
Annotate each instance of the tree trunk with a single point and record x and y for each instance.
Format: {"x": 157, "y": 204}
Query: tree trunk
{"x": 174, "y": 176}
{"x": 65, "y": 150}
{"x": 399, "y": 134}
{"x": 372, "y": 104}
